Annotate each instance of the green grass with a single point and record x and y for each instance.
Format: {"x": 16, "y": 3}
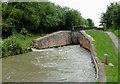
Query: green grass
{"x": 28, "y": 39}
{"x": 116, "y": 32}
{"x": 104, "y": 45}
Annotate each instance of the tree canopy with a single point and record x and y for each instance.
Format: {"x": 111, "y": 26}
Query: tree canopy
{"x": 90, "y": 22}
{"x": 39, "y": 17}
{"x": 111, "y": 18}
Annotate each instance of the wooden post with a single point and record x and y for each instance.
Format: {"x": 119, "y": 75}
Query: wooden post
{"x": 106, "y": 61}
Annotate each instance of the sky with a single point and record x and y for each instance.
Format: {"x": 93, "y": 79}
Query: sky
{"x": 88, "y": 8}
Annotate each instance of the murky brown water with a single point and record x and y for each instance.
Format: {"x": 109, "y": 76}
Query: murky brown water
{"x": 66, "y": 64}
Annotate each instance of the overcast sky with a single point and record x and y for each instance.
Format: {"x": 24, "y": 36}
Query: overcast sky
{"x": 88, "y": 8}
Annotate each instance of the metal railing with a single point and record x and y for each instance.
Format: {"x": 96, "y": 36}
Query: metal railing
{"x": 78, "y": 28}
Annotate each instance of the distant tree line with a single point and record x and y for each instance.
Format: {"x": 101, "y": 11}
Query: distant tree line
{"x": 39, "y": 17}
{"x": 111, "y": 18}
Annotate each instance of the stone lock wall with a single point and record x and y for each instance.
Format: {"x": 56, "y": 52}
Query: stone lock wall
{"x": 85, "y": 40}
{"x": 67, "y": 37}
{"x": 57, "y": 39}
{"x": 62, "y": 38}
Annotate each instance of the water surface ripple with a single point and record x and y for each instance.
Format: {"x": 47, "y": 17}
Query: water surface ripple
{"x": 63, "y": 64}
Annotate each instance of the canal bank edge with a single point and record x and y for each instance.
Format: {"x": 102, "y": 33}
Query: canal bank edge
{"x": 87, "y": 42}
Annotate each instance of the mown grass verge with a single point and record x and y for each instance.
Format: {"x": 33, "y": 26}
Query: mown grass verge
{"x": 28, "y": 39}
{"x": 104, "y": 45}
{"x": 116, "y": 32}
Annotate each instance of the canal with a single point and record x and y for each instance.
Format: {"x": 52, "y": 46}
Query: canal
{"x": 63, "y": 64}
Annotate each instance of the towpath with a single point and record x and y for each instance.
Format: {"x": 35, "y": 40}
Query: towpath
{"x": 115, "y": 39}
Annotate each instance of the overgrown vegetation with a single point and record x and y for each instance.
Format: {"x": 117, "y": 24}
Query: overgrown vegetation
{"x": 39, "y": 17}
{"x": 104, "y": 45}
{"x": 17, "y": 43}
{"x": 12, "y": 46}
{"x": 111, "y": 18}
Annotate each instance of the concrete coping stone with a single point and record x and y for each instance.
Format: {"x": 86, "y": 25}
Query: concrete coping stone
{"x": 93, "y": 47}
{"x": 51, "y": 35}
{"x": 87, "y": 36}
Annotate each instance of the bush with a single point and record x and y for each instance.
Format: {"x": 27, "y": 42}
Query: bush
{"x": 25, "y": 32}
{"x": 100, "y": 29}
{"x": 13, "y": 46}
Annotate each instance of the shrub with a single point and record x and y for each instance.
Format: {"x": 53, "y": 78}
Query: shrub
{"x": 25, "y": 32}
{"x": 13, "y": 46}
{"x": 100, "y": 29}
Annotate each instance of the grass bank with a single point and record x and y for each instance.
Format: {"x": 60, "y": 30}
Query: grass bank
{"x": 104, "y": 45}
{"x": 28, "y": 39}
{"x": 116, "y": 32}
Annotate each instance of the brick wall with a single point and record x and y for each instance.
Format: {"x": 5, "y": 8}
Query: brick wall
{"x": 57, "y": 39}
{"x": 62, "y": 38}
{"x": 85, "y": 40}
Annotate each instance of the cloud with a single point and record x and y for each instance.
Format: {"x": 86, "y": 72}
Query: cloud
{"x": 88, "y": 8}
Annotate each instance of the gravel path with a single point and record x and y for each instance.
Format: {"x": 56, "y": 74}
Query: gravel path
{"x": 114, "y": 39}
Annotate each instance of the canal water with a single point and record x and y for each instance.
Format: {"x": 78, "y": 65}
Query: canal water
{"x": 63, "y": 64}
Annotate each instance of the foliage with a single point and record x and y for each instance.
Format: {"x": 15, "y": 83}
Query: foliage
{"x": 108, "y": 48}
{"x": 38, "y": 17}
{"x": 116, "y": 32}
{"x": 111, "y": 18}
{"x": 17, "y": 44}
{"x": 73, "y": 18}
{"x": 90, "y": 22}
{"x": 25, "y": 32}
{"x": 12, "y": 46}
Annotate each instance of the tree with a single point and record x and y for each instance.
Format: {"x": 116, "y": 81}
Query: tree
{"x": 38, "y": 17}
{"x": 73, "y": 18}
{"x": 111, "y": 18}
{"x": 90, "y": 22}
